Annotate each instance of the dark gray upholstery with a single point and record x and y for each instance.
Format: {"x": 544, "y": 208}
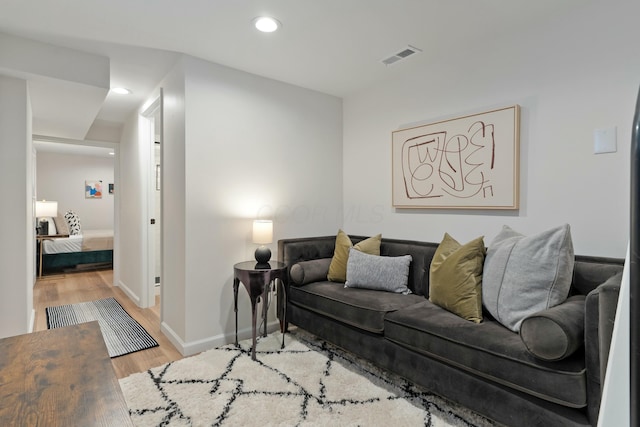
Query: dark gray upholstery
{"x": 557, "y": 332}
{"x": 484, "y": 367}
{"x": 489, "y": 350}
{"x": 305, "y": 272}
{"x": 362, "y": 308}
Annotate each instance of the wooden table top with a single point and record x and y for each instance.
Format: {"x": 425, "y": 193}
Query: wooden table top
{"x": 60, "y": 377}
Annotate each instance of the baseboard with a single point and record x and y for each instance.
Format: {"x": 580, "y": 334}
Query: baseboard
{"x": 135, "y": 298}
{"x": 32, "y": 321}
{"x": 195, "y": 347}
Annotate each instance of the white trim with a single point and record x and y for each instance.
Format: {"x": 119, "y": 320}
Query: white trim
{"x": 32, "y": 320}
{"x": 614, "y": 407}
{"x": 132, "y": 296}
{"x": 195, "y": 347}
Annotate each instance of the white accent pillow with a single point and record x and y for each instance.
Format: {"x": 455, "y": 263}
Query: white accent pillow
{"x": 524, "y": 275}
{"x": 73, "y": 221}
{"x": 379, "y": 273}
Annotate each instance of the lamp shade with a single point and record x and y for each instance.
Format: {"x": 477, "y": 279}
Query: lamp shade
{"x": 262, "y": 231}
{"x": 46, "y": 209}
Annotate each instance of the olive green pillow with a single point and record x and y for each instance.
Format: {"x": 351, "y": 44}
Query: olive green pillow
{"x": 455, "y": 277}
{"x": 338, "y": 266}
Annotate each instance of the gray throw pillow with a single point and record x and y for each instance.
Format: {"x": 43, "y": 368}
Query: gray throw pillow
{"x": 376, "y": 272}
{"x": 310, "y": 271}
{"x": 524, "y": 275}
{"x": 556, "y": 333}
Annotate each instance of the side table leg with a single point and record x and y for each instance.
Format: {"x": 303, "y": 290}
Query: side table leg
{"x": 254, "y": 315}
{"x": 265, "y": 307}
{"x": 236, "y": 283}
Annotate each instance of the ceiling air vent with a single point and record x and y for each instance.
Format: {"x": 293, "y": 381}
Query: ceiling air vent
{"x": 403, "y": 54}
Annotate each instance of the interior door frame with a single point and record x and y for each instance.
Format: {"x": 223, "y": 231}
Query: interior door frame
{"x": 152, "y": 109}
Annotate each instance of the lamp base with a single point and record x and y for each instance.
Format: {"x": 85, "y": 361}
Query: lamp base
{"x": 44, "y": 228}
{"x": 263, "y": 255}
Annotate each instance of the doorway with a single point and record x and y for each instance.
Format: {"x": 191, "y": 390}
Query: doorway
{"x": 157, "y": 212}
{"x": 151, "y": 141}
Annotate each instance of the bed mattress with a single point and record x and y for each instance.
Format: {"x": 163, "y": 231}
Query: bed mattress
{"x": 89, "y": 240}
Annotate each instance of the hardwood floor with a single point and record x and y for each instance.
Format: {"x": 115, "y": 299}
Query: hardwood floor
{"x": 92, "y": 285}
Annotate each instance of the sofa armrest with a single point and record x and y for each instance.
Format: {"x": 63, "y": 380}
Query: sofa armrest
{"x": 293, "y": 251}
{"x": 600, "y": 313}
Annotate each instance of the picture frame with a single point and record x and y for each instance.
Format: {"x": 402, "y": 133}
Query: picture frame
{"x": 468, "y": 162}
{"x": 110, "y": 188}
{"x": 93, "y": 189}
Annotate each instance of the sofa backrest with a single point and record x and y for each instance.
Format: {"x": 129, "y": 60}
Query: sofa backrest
{"x": 588, "y": 271}
{"x": 421, "y": 254}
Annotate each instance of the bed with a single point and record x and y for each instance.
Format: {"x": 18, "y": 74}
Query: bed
{"x": 80, "y": 247}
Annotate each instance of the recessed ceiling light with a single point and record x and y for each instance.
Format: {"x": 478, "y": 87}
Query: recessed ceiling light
{"x": 111, "y": 153}
{"x": 266, "y": 24}
{"x": 121, "y": 90}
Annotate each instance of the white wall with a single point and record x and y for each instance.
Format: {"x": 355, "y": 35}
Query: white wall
{"x": 173, "y": 282}
{"x": 128, "y": 246}
{"x": 571, "y": 76}
{"x": 17, "y": 225}
{"x": 237, "y": 147}
{"x": 61, "y": 177}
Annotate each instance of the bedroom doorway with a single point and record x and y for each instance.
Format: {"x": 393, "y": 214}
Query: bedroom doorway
{"x": 61, "y": 170}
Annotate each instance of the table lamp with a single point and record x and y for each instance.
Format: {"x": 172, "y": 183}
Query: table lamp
{"x": 45, "y": 209}
{"x": 263, "y": 234}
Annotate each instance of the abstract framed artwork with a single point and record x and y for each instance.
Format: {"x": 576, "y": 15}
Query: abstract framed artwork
{"x": 468, "y": 162}
{"x": 92, "y": 189}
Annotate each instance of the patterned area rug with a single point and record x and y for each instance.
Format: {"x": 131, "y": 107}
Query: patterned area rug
{"x": 308, "y": 383}
{"x": 121, "y": 333}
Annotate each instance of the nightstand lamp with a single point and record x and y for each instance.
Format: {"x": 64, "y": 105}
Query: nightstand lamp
{"x": 262, "y": 235}
{"x": 45, "y": 209}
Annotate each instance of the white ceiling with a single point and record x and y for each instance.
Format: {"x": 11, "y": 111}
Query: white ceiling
{"x": 332, "y": 46}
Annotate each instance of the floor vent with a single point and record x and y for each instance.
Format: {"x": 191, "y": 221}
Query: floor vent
{"x": 403, "y": 54}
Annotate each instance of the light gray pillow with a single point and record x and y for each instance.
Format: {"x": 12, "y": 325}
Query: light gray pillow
{"x": 376, "y": 272}
{"x": 524, "y": 275}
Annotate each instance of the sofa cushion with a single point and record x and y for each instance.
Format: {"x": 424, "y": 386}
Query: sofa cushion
{"x": 557, "y": 332}
{"x": 488, "y": 350}
{"x": 305, "y": 272}
{"x": 379, "y": 273}
{"x": 362, "y": 308}
{"x": 455, "y": 280}
{"x": 338, "y": 266}
{"x": 524, "y": 275}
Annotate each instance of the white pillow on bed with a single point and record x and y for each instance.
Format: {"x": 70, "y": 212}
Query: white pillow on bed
{"x": 74, "y": 223}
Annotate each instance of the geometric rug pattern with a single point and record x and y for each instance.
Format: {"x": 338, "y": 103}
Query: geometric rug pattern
{"x": 308, "y": 383}
{"x": 121, "y": 333}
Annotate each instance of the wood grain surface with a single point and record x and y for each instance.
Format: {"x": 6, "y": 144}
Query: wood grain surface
{"x": 60, "y": 377}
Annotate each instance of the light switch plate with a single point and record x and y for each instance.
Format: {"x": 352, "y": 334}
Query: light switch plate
{"x": 604, "y": 141}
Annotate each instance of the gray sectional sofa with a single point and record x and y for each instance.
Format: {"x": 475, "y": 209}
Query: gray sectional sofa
{"x": 482, "y": 366}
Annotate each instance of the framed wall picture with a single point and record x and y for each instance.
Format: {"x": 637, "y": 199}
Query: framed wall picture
{"x": 469, "y": 162}
{"x": 92, "y": 189}
{"x": 110, "y": 188}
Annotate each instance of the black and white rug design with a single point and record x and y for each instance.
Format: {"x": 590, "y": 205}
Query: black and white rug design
{"x": 308, "y": 383}
{"x": 121, "y": 333}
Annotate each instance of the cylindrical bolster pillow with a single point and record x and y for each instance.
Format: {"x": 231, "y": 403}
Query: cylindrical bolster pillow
{"x": 557, "y": 332}
{"x": 310, "y": 271}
